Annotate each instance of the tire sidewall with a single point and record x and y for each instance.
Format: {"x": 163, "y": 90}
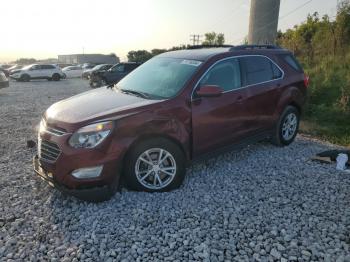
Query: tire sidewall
{"x": 286, "y": 112}
{"x": 132, "y": 156}
{"x": 25, "y": 78}
{"x": 56, "y": 77}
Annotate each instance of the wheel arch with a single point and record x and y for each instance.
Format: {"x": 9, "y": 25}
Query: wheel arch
{"x": 150, "y": 136}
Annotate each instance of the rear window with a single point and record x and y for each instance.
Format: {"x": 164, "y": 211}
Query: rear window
{"x": 259, "y": 69}
{"x": 292, "y": 62}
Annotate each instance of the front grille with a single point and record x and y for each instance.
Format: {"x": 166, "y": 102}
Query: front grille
{"x": 55, "y": 131}
{"x": 48, "y": 151}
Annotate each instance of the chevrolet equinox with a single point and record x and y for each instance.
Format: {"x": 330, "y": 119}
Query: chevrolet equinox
{"x": 176, "y": 107}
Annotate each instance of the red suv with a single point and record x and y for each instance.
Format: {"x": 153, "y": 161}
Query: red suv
{"x": 176, "y": 107}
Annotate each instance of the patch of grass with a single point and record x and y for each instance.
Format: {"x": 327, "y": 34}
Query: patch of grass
{"x": 335, "y": 130}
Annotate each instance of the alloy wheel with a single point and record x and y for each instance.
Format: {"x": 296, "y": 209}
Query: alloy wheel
{"x": 289, "y": 126}
{"x": 155, "y": 168}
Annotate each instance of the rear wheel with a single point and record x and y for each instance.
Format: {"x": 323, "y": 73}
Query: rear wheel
{"x": 155, "y": 165}
{"x": 287, "y": 127}
{"x": 56, "y": 77}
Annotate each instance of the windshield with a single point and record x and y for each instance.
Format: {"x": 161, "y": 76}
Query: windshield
{"x": 97, "y": 67}
{"x": 160, "y": 77}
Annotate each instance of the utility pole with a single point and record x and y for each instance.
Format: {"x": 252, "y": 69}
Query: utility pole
{"x": 263, "y": 21}
{"x": 195, "y": 39}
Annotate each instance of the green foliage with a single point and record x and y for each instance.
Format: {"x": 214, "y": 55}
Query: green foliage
{"x": 139, "y": 56}
{"x": 322, "y": 45}
{"x": 214, "y": 39}
{"x": 25, "y": 61}
{"x": 142, "y": 56}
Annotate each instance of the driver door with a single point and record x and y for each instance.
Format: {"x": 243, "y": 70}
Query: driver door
{"x": 222, "y": 120}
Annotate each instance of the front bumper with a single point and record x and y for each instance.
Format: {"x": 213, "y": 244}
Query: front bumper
{"x": 93, "y": 194}
{"x": 15, "y": 77}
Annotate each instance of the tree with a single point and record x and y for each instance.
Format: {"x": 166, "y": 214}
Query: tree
{"x": 139, "y": 56}
{"x": 214, "y": 39}
{"x": 25, "y": 61}
{"x": 156, "y": 51}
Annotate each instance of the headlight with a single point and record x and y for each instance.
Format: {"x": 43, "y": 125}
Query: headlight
{"x": 90, "y": 136}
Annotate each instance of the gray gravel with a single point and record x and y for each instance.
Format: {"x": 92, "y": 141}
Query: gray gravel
{"x": 259, "y": 204}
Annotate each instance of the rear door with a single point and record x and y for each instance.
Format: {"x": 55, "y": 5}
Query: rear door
{"x": 47, "y": 70}
{"x": 262, "y": 78}
{"x": 220, "y": 121}
{"x": 36, "y": 71}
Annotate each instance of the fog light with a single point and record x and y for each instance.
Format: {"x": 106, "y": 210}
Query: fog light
{"x": 89, "y": 172}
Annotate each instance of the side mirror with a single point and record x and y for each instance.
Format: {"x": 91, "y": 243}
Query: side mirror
{"x": 209, "y": 91}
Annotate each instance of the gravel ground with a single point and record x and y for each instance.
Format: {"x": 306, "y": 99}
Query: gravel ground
{"x": 259, "y": 204}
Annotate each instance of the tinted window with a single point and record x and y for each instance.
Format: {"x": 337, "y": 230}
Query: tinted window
{"x": 258, "y": 69}
{"x": 36, "y": 67}
{"x": 226, "y": 74}
{"x": 47, "y": 67}
{"x": 119, "y": 68}
{"x": 292, "y": 62}
{"x": 277, "y": 73}
{"x": 130, "y": 67}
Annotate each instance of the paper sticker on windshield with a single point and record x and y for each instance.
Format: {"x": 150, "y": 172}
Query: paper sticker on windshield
{"x": 191, "y": 62}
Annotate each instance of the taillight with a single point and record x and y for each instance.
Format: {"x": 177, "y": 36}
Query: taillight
{"x": 306, "y": 80}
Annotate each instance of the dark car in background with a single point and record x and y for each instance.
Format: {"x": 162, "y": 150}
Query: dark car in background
{"x": 176, "y": 107}
{"x": 4, "y": 82}
{"x": 102, "y": 67}
{"x": 5, "y": 71}
{"x": 112, "y": 75}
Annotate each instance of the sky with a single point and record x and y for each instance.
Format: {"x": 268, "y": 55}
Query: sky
{"x": 47, "y": 28}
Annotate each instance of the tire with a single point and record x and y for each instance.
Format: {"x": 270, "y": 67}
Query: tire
{"x": 287, "y": 127}
{"x": 56, "y": 77}
{"x": 25, "y": 78}
{"x": 170, "y": 172}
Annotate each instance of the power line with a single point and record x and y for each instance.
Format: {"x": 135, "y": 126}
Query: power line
{"x": 296, "y": 9}
{"x": 195, "y": 39}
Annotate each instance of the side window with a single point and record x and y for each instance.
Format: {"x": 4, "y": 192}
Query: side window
{"x": 129, "y": 67}
{"x": 120, "y": 68}
{"x": 226, "y": 74}
{"x": 36, "y": 67}
{"x": 258, "y": 69}
{"x": 277, "y": 73}
{"x": 291, "y": 61}
{"x": 47, "y": 67}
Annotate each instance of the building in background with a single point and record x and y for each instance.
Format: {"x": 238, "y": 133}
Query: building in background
{"x": 88, "y": 58}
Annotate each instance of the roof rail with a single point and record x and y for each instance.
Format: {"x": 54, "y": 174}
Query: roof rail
{"x": 207, "y": 46}
{"x": 247, "y": 47}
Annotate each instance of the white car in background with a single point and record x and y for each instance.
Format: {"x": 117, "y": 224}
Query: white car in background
{"x": 72, "y": 71}
{"x": 36, "y": 71}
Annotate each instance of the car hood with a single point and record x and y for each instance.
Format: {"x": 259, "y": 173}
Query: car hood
{"x": 95, "y": 104}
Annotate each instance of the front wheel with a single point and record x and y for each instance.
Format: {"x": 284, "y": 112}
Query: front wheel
{"x": 25, "y": 78}
{"x": 155, "y": 165}
{"x": 287, "y": 127}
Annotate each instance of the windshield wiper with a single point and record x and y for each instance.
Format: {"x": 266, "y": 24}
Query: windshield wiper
{"x": 136, "y": 93}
